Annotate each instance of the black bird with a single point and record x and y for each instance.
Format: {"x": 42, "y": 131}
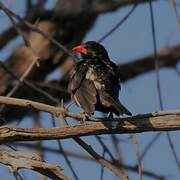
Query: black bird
{"x": 94, "y": 83}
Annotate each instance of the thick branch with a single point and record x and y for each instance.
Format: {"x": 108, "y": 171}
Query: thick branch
{"x": 86, "y": 157}
{"x": 163, "y": 120}
{"x": 116, "y": 126}
{"x": 159, "y": 121}
{"x": 167, "y": 57}
{"x": 17, "y": 160}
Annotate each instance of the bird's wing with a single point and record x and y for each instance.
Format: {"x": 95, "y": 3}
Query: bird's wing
{"x": 85, "y": 96}
{"x": 115, "y": 72}
{"x": 82, "y": 88}
{"x": 109, "y": 91}
{"x": 77, "y": 75}
{"x": 109, "y": 101}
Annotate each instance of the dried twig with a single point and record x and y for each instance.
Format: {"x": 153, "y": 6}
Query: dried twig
{"x": 72, "y": 154}
{"x": 56, "y": 111}
{"x": 101, "y": 160}
{"x": 17, "y": 160}
{"x": 86, "y": 157}
{"x": 96, "y": 156}
{"x": 134, "y": 140}
{"x": 149, "y": 145}
{"x": 117, "y": 25}
{"x": 116, "y": 148}
{"x": 117, "y": 126}
{"x": 173, "y": 2}
{"x": 171, "y": 145}
{"x": 30, "y": 26}
{"x": 158, "y": 77}
{"x": 29, "y": 84}
{"x": 61, "y": 149}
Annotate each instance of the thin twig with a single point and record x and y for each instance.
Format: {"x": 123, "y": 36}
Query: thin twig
{"x": 40, "y": 151}
{"x": 116, "y": 148}
{"x": 100, "y": 159}
{"x": 29, "y": 84}
{"x": 10, "y": 15}
{"x": 149, "y": 145}
{"x": 134, "y": 140}
{"x": 173, "y": 3}
{"x": 64, "y": 153}
{"x": 25, "y": 74}
{"x": 86, "y": 157}
{"x": 105, "y": 148}
{"x": 17, "y": 176}
{"x": 158, "y": 79}
{"x": 56, "y": 111}
{"x": 118, "y": 24}
{"x": 35, "y": 29}
{"x": 102, "y": 167}
{"x": 173, "y": 150}
{"x": 155, "y": 55}
{"x": 96, "y": 156}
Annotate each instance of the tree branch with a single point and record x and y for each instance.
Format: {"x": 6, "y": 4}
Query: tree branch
{"x": 163, "y": 120}
{"x": 17, "y": 160}
{"x": 107, "y": 6}
{"x": 166, "y": 57}
{"x": 57, "y": 111}
{"x": 82, "y": 156}
{"x": 116, "y": 126}
{"x": 32, "y": 146}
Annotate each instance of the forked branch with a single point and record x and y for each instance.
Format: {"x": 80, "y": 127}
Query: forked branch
{"x": 17, "y": 160}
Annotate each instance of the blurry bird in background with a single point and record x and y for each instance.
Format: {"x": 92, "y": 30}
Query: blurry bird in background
{"x": 94, "y": 83}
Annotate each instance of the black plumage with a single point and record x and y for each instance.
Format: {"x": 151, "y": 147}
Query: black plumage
{"x": 94, "y": 83}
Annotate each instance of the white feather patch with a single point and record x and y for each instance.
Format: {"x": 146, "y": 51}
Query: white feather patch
{"x": 77, "y": 102}
{"x": 98, "y": 85}
{"x": 90, "y": 74}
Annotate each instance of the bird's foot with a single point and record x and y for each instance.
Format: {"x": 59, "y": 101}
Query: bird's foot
{"x": 86, "y": 116}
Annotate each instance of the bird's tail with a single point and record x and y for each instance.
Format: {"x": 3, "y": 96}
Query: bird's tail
{"x": 121, "y": 109}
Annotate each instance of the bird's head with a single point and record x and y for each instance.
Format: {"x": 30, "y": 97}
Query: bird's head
{"x": 91, "y": 49}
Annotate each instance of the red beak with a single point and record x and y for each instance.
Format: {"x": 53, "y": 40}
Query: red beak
{"x": 80, "y": 49}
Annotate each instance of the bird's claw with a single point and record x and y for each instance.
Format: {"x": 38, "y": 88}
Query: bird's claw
{"x": 85, "y": 117}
